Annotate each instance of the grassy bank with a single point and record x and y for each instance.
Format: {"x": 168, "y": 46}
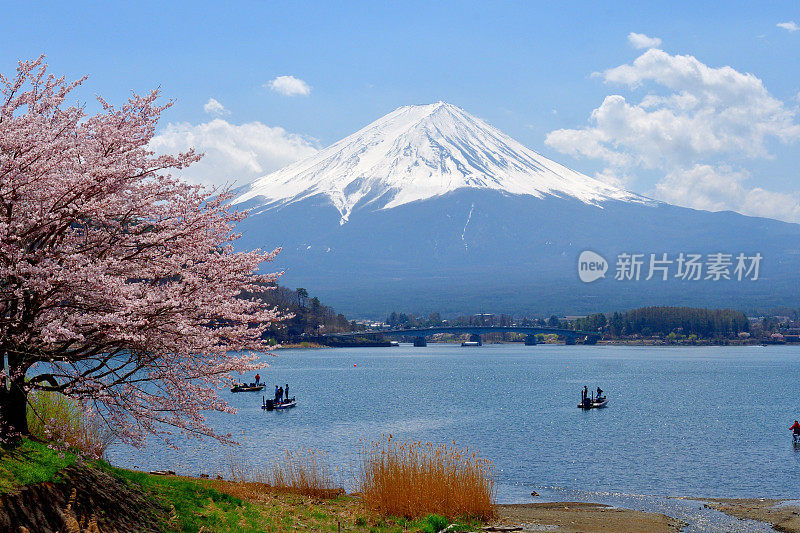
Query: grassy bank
{"x": 220, "y": 505}
{"x": 30, "y": 463}
{"x": 55, "y": 487}
{"x": 187, "y": 504}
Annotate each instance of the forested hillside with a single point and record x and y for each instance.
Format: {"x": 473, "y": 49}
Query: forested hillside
{"x": 305, "y": 315}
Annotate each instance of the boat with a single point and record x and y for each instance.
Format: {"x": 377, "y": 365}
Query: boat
{"x": 593, "y": 403}
{"x": 244, "y": 387}
{"x": 270, "y": 405}
{"x": 470, "y": 343}
{"x": 286, "y": 404}
{"x": 599, "y": 402}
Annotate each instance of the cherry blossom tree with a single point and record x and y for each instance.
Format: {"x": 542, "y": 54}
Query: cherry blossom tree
{"x": 119, "y": 285}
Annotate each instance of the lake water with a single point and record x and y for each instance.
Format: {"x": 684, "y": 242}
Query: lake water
{"x": 681, "y": 421}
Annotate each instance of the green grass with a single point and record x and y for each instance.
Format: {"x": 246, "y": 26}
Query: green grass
{"x": 31, "y": 462}
{"x": 434, "y": 523}
{"x": 216, "y": 505}
{"x": 195, "y": 504}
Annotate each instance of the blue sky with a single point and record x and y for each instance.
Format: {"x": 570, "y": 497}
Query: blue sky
{"x": 530, "y": 69}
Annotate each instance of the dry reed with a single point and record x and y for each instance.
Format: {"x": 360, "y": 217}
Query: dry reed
{"x": 414, "y": 479}
{"x": 73, "y": 523}
{"x": 303, "y": 472}
{"x": 56, "y": 418}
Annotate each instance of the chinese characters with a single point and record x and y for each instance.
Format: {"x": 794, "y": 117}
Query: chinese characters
{"x": 688, "y": 267}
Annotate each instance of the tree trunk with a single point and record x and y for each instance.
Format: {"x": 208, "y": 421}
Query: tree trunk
{"x": 13, "y": 412}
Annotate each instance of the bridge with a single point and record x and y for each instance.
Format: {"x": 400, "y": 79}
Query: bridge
{"x": 475, "y": 332}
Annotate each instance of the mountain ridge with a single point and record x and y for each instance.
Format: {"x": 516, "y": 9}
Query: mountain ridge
{"x": 430, "y": 209}
{"x": 421, "y": 152}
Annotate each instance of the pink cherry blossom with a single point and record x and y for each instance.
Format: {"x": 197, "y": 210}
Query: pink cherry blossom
{"x": 119, "y": 281}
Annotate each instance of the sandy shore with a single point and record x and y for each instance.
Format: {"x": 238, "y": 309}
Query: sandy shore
{"x": 583, "y": 517}
{"x": 781, "y": 517}
{"x": 594, "y": 517}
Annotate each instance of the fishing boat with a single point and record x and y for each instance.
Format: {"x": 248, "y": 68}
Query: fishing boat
{"x": 599, "y": 402}
{"x": 272, "y": 405}
{"x": 593, "y": 403}
{"x": 244, "y": 387}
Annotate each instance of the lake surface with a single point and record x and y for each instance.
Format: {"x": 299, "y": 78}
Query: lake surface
{"x": 693, "y": 421}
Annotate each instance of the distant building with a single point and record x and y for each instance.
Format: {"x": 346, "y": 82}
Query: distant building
{"x": 483, "y": 319}
{"x": 369, "y": 324}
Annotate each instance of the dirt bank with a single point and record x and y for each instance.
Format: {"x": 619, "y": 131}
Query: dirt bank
{"x": 82, "y": 496}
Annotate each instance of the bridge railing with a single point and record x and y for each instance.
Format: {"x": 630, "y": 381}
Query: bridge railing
{"x": 479, "y": 330}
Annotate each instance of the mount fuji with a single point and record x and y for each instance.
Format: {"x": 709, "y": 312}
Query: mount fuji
{"x": 431, "y": 209}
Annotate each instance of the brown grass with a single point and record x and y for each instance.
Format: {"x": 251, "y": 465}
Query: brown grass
{"x": 414, "y": 479}
{"x": 303, "y": 472}
{"x": 53, "y": 417}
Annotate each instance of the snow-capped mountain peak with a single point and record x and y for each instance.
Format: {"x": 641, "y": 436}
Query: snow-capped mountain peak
{"x": 420, "y": 152}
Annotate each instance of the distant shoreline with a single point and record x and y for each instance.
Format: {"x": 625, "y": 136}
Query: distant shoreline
{"x": 700, "y": 343}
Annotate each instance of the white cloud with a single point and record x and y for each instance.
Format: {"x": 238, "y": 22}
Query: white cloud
{"x": 723, "y": 188}
{"x": 234, "y": 154}
{"x": 640, "y": 40}
{"x": 694, "y": 114}
{"x": 213, "y": 107}
{"x": 790, "y": 26}
{"x": 587, "y": 142}
{"x": 613, "y": 177}
{"x": 289, "y": 86}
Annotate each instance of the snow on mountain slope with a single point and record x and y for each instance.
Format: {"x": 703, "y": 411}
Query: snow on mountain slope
{"x": 419, "y": 152}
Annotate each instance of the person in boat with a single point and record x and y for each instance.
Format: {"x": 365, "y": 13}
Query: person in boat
{"x": 258, "y": 379}
{"x": 286, "y": 391}
{"x": 599, "y": 393}
{"x": 585, "y": 392}
{"x": 280, "y": 394}
{"x": 795, "y": 430}
{"x": 276, "y": 394}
